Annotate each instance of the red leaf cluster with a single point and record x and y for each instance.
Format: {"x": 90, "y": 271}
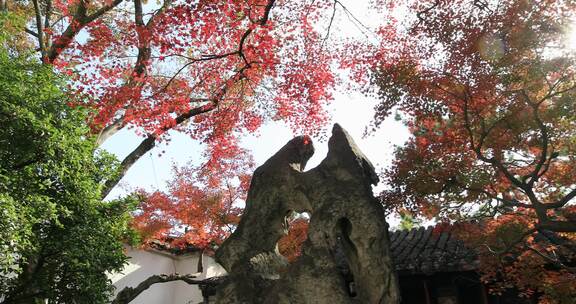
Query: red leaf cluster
{"x": 201, "y": 207}
{"x": 290, "y": 245}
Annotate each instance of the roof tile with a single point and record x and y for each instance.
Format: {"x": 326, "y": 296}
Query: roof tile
{"x": 422, "y": 250}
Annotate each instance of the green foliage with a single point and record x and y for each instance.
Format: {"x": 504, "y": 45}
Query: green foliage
{"x": 11, "y": 24}
{"x": 407, "y": 221}
{"x": 57, "y": 237}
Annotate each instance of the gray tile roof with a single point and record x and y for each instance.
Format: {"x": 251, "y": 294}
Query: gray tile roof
{"x": 423, "y": 250}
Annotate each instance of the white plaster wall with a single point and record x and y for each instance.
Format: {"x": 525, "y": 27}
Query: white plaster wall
{"x": 212, "y": 269}
{"x": 144, "y": 263}
{"x": 185, "y": 293}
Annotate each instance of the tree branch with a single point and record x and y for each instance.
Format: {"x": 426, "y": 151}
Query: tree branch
{"x": 147, "y": 145}
{"x": 544, "y": 133}
{"x": 39, "y": 29}
{"x": 330, "y": 23}
{"x": 28, "y": 162}
{"x": 505, "y": 202}
{"x": 79, "y": 20}
{"x": 103, "y": 10}
{"x": 558, "y": 226}
{"x": 47, "y": 17}
{"x": 267, "y": 10}
{"x": 563, "y": 201}
{"x": 192, "y": 61}
{"x": 128, "y": 294}
{"x": 553, "y": 260}
{"x": 425, "y": 11}
{"x": 31, "y": 32}
{"x": 140, "y": 67}
{"x": 109, "y": 130}
{"x": 478, "y": 150}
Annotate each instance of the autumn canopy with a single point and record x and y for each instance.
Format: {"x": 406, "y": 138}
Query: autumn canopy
{"x": 486, "y": 89}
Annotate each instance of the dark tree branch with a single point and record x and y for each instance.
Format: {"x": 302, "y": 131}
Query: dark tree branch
{"x": 505, "y": 202}
{"x": 138, "y": 15}
{"x": 118, "y": 123}
{"x": 144, "y": 55}
{"x": 128, "y": 294}
{"x": 147, "y": 145}
{"x": 47, "y": 17}
{"x": 553, "y": 155}
{"x": 425, "y": 11}
{"x": 552, "y": 259}
{"x": 541, "y": 165}
{"x": 140, "y": 67}
{"x": 487, "y": 130}
{"x": 76, "y": 24}
{"x": 79, "y": 21}
{"x": 26, "y": 289}
{"x": 535, "y": 174}
{"x": 517, "y": 241}
{"x": 558, "y": 226}
{"x": 28, "y": 162}
{"x": 48, "y": 13}
{"x": 103, "y": 10}
{"x": 267, "y": 10}
{"x": 39, "y": 29}
{"x": 144, "y": 51}
{"x": 497, "y": 164}
{"x": 552, "y": 92}
{"x": 330, "y": 23}
{"x": 150, "y": 141}
{"x": 480, "y": 4}
{"x": 359, "y": 25}
{"x": 31, "y": 32}
{"x": 190, "y": 62}
{"x": 562, "y": 201}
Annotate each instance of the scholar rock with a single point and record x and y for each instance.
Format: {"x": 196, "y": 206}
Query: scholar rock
{"x": 346, "y": 258}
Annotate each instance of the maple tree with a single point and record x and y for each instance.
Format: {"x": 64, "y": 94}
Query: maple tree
{"x": 212, "y": 69}
{"x": 487, "y": 89}
{"x": 290, "y": 245}
{"x": 202, "y": 206}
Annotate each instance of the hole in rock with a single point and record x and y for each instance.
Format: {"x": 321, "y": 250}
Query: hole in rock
{"x": 345, "y": 254}
{"x": 290, "y": 245}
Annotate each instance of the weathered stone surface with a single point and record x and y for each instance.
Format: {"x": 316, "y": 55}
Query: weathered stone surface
{"x": 346, "y": 258}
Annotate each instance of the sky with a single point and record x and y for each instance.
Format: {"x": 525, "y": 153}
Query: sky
{"x": 352, "y": 110}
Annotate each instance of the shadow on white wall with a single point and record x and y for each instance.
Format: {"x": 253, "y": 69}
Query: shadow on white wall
{"x": 144, "y": 263}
